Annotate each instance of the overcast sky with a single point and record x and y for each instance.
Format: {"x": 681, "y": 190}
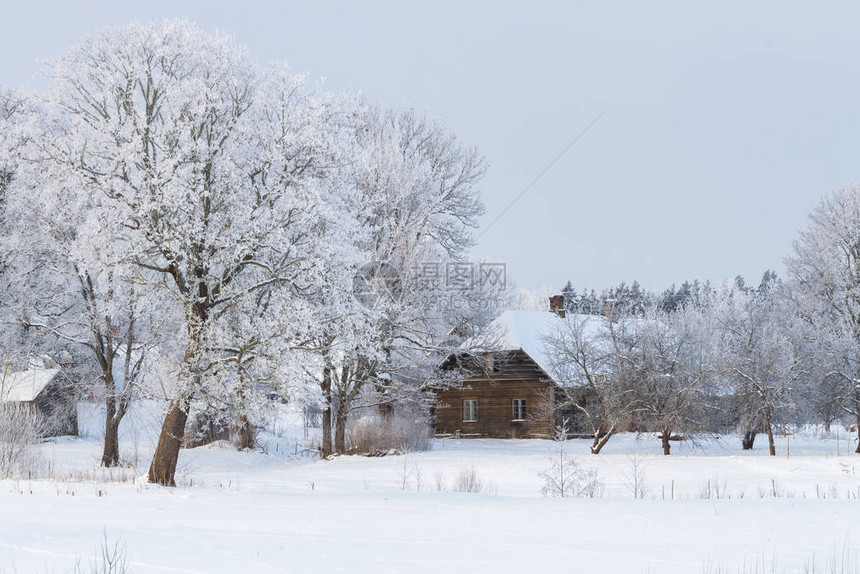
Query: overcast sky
{"x": 724, "y": 123}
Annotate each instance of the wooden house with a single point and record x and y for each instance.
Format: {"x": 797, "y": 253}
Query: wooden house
{"x": 46, "y": 392}
{"x": 508, "y": 391}
{"x": 505, "y": 394}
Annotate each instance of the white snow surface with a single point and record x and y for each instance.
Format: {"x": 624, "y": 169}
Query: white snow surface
{"x": 709, "y": 505}
{"x": 25, "y": 385}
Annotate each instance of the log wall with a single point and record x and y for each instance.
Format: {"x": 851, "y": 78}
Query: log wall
{"x": 517, "y": 377}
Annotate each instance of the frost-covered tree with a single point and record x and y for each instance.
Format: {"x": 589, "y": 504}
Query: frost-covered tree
{"x": 758, "y": 354}
{"x": 571, "y": 297}
{"x": 564, "y": 477}
{"x": 825, "y": 269}
{"x": 16, "y": 117}
{"x": 689, "y": 293}
{"x": 669, "y": 364}
{"x": 583, "y": 351}
{"x": 206, "y": 172}
{"x": 630, "y": 299}
{"x": 107, "y": 315}
{"x": 836, "y": 356}
{"x": 418, "y": 203}
{"x": 63, "y": 280}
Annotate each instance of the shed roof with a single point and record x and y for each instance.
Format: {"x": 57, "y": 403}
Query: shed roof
{"x": 25, "y": 386}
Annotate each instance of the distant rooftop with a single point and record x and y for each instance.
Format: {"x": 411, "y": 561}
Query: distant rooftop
{"x": 25, "y": 386}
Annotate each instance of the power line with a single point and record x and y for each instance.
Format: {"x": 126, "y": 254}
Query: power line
{"x": 546, "y": 169}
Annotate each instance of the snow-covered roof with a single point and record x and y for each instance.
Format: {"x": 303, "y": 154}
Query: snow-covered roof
{"x": 25, "y": 385}
{"x": 527, "y": 331}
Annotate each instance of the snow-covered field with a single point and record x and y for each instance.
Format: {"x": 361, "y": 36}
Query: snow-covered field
{"x": 707, "y": 508}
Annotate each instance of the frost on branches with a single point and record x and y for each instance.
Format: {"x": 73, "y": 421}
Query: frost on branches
{"x": 178, "y": 201}
{"x": 825, "y": 269}
{"x": 16, "y": 115}
{"x": 417, "y": 203}
{"x": 758, "y": 354}
{"x": 207, "y": 175}
{"x": 564, "y": 477}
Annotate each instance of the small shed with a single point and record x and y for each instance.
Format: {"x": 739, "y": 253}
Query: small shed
{"x": 47, "y": 392}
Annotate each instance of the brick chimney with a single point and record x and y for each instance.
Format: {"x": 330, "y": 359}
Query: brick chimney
{"x": 610, "y": 309}
{"x": 556, "y": 305}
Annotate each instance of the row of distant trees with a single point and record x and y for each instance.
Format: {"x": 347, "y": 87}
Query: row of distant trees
{"x": 636, "y": 300}
{"x": 198, "y": 227}
{"x": 725, "y": 357}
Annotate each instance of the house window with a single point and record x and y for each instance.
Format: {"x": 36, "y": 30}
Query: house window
{"x": 470, "y": 410}
{"x": 519, "y": 409}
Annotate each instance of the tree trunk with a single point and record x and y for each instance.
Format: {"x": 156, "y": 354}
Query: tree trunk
{"x": 242, "y": 433}
{"x": 326, "y": 413}
{"x": 340, "y": 429}
{"x": 667, "y": 446}
{"x": 163, "y": 468}
{"x": 749, "y": 439}
{"x": 344, "y": 399}
{"x": 600, "y": 442}
{"x": 768, "y": 427}
{"x": 114, "y": 411}
{"x": 857, "y": 450}
{"x": 245, "y": 435}
{"x": 385, "y": 411}
{"x": 110, "y": 455}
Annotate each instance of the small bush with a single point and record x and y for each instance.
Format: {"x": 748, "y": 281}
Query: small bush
{"x": 564, "y": 477}
{"x": 375, "y": 436}
{"x": 20, "y": 431}
{"x": 635, "y": 479}
{"x": 467, "y": 480}
{"x": 110, "y": 558}
{"x": 439, "y": 481}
